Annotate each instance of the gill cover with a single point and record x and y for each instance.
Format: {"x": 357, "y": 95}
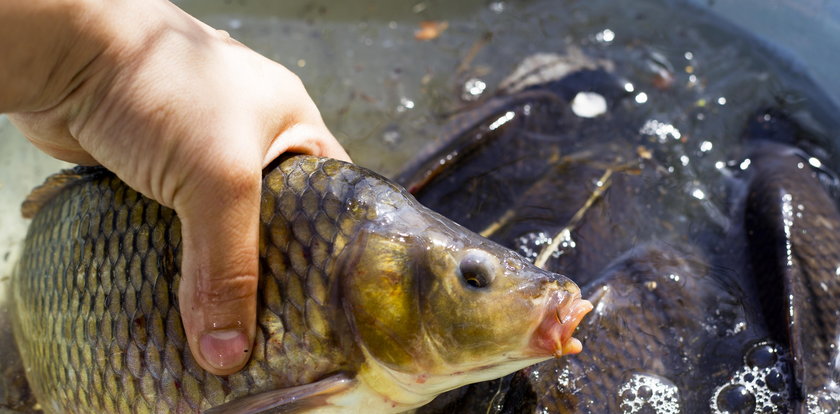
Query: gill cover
{"x": 437, "y": 302}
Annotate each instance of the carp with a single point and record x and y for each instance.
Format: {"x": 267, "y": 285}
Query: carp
{"x": 367, "y": 302}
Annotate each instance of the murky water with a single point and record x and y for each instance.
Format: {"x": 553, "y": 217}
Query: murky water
{"x": 692, "y": 74}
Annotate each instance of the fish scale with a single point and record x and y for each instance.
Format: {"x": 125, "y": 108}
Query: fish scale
{"x": 800, "y": 256}
{"x": 117, "y": 332}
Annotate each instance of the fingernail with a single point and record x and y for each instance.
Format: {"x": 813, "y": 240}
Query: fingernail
{"x": 225, "y": 349}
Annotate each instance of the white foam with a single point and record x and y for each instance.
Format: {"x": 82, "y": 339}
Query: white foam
{"x": 649, "y": 391}
{"x": 765, "y": 384}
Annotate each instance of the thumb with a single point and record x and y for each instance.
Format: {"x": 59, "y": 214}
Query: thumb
{"x": 217, "y": 294}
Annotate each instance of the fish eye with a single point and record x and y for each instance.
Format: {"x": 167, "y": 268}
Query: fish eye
{"x": 477, "y": 269}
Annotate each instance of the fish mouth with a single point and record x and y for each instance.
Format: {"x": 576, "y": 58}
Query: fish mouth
{"x": 563, "y": 314}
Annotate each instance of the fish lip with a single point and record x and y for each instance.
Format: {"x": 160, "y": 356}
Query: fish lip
{"x": 562, "y": 315}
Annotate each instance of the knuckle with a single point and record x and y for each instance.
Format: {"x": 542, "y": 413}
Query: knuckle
{"x": 242, "y": 179}
{"x": 227, "y": 291}
{"x": 292, "y": 79}
{"x": 228, "y": 185}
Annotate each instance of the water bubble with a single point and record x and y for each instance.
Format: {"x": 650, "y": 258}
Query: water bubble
{"x": 405, "y": 104}
{"x": 736, "y": 399}
{"x": 775, "y": 381}
{"x": 391, "y": 137}
{"x": 661, "y": 130}
{"x": 497, "y": 7}
{"x": 760, "y": 385}
{"x": 645, "y": 393}
{"x": 589, "y": 105}
{"x": 531, "y": 244}
{"x": 761, "y": 356}
{"x": 605, "y": 36}
{"x": 823, "y": 402}
{"x": 737, "y": 328}
{"x": 473, "y": 88}
{"x": 745, "y": 164}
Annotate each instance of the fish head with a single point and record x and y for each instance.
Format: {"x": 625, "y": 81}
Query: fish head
{"x": 432, "y": 303}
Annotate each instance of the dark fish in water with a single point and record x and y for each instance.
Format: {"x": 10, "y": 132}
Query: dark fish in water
{"x": 794, "y": 231}
{"x": 368, "y": 301}
{"x": 697, "y": 309}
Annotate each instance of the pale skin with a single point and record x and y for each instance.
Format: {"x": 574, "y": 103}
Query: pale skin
{"x": 182, "y": 113}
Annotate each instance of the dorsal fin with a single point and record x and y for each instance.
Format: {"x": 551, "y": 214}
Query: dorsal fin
{"x": 54, "y": 184}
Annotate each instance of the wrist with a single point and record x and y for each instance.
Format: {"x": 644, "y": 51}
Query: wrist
{"x": 45, "y": 45}
{"x": 73, "y": 47}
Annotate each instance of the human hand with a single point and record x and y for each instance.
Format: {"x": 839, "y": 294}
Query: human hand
{"x": 188, "y": 117}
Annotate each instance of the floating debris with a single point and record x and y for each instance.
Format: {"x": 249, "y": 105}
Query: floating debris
{"x": 589, "y": 105}
{"x": 430, "y": 30}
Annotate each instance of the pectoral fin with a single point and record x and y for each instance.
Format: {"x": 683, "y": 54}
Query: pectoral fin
{"x": 289, "y": 400}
